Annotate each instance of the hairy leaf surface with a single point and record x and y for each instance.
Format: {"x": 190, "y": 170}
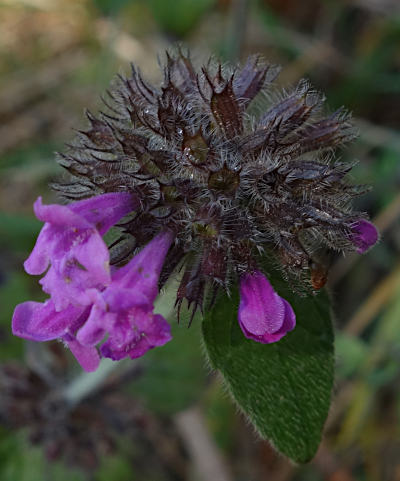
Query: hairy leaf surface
{"x": 285, "y": 387}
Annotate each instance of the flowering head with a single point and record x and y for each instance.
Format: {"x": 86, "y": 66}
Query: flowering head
{"x": 210, "y": 188}
{"x": 228, "y": 183}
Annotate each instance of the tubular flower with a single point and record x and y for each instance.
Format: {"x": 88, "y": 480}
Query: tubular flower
{"x": 263, "y": 315}
{"x": 124, "y": 309}
{"x": 224, "y": 183}
{"x": 71, "y": 242}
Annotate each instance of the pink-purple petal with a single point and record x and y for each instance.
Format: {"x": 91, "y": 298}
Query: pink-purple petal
{"x": 67, "y": 287}
{"x": 270, "y": 338}
{"x": 123, "y": 299}
{"x": 154, "y": 331}
{"x": 363, "y": 235}
{"x": 88, "y": 357}
{"x": 87, "y": 303}
{"x": 94, "y": 256}
{"x": 133, "y": 328}
{"x": 289, "y": 322}
{"x": 41, "y": 322}
{"x": 59, "y": 215}
{"x": 39, "y": 259}
{"x": 103, "y": 211}
{"x": 94, "y": 329}
{"x": 263, "y": 315}
{"x": 261, "y": 310}
{"x": 96, "y": 325}
{"x": 144, "y": 269}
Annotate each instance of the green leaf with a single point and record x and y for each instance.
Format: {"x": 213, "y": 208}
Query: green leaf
{"x": 174, "y": 376}
{"x": 285, "y": 387}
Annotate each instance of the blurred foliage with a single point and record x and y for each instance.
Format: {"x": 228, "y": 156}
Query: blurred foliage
{"x": 179, "y": 17}
{"x": 57, "y": 58}
{"x": 111, "y": 7}
{"x": 19, "y": 460}
{"x": 173, "y": 377}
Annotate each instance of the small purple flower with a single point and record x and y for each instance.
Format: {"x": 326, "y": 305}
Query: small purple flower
{"x": 41, "y": 322}
{"x": 71, "y": 242}
{"x": 264, "y": 316}
{"x": 363, "y": 235}
{"x": 124, "y": 310}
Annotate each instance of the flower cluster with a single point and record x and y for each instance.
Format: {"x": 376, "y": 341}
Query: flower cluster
{"x": 211, "y": 189}
{"x": 88, "y": 299}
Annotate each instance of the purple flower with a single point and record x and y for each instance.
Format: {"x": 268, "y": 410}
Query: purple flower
{"x": 41, "y": 322}
{"x": 264, "y": 316}
{"x": 124, "y": 310}
{"x": 71, "y": 242}
{"x": 363, "y": 235}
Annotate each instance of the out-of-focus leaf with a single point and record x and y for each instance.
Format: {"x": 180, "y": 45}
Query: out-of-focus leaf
{"x": 350, "y": 354}
{"x": 18, "y": 232}
{"x": 19, "y": 461}
{"x": 12, "y": 292}
{"x": 380, "y": 367}
{"x": 115, "y": 467}
{"x": 180, "y": 16}
{"x": 110, "y": 7}
{"x": 356, "y": 414}
{"x": 221, "y": 416}
{"x": 174, "y": 375}
{"x": 284, "y": 387}
{"x": 274, "y": 25}
{"x": 20, "y": 157}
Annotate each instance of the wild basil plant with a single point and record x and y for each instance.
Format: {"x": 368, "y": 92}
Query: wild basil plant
{"x": 242, "y": 203}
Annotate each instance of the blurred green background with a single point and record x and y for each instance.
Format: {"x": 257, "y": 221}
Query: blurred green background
{"x": 166, "y": 417}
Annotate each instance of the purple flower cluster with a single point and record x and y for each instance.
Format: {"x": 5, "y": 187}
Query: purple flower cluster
{"x": 89, "y": 301}
{"x": 211, "y": 186}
